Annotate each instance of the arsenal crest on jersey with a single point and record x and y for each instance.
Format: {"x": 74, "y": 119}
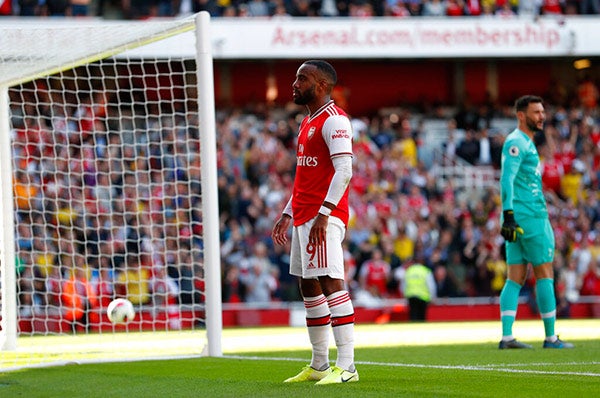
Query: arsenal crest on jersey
{"x": 311, "y": 132}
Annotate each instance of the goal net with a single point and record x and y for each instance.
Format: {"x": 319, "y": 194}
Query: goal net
{"x": 108, "y": 190}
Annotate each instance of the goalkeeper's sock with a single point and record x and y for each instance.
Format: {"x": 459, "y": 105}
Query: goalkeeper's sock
{"x": 342, "y": 321}
{"x": 509, "y": 301}
{"x": 318, "y": 319}
{"x": 546, "y": 302}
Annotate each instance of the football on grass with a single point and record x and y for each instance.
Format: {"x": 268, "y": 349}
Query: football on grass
{"x": 120, "y": 311}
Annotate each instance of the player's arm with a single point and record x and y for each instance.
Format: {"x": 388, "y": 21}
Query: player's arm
{"x": 279, "y": 233}
{"x": 337, "y": 188}
{"x": 511, "y": 162}
{"x": 512, "y": 155}
{"x": 339, "y": 182}
{"x": 337, "y": 133}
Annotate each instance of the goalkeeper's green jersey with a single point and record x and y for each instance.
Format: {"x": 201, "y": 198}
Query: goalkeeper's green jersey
{"x": 520, "y": 178}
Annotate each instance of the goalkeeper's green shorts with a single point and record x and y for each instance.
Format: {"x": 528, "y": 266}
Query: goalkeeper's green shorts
{"x": 536, "y": 244}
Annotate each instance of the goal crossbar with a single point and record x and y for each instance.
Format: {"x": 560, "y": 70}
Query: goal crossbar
{"x": 28, "y": 60}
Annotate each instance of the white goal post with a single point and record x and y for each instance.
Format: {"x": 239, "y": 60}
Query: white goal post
{"x": 108, "y": 182}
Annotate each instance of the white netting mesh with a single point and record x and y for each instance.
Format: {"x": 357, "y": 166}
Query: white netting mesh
{"x": 29, "y": 51}
{"x": 106, "y": 166}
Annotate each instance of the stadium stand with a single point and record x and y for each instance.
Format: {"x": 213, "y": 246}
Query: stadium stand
{"x": 450, "y": 205}
{"x": 449, "y": 198}
{"x": 137, "y": 9}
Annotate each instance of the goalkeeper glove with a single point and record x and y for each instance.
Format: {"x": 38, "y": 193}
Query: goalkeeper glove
{"x": 510, "y": 228}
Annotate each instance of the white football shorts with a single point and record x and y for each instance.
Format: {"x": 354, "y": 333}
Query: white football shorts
{"x": 310, "y": 262}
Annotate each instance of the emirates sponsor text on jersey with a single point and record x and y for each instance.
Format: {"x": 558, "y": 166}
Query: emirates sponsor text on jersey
{"x": 309, "y": 161}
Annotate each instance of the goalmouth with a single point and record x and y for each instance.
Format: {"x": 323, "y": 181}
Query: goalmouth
{"x": 108, "y": 182}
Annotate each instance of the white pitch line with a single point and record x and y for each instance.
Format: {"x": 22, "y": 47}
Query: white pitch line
{"x": 484, "y": 368}
{"x": 481, "y": 368}
{"x": 544, "y": 364}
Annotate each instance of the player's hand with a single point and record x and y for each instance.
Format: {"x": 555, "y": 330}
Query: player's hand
{"x": 318, "y": 231}
{"x": 510, "y": 228}
{"x": 280, "y": 229}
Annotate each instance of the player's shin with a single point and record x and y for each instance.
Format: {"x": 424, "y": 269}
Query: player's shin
{"x": 509, "y": 301}
{"x": 546, "y": 302}
{"x": 318, "y": 319}
{"x": 342, "y": 321}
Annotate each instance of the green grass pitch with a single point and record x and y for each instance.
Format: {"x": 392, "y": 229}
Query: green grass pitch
{"x": 414, "y": 360}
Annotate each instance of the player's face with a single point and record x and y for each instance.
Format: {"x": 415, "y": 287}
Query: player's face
{"x": 304, "y": 86}
{"x": 535, "y": 116}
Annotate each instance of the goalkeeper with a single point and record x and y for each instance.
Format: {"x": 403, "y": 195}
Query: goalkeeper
{"x": 525, "y": 225}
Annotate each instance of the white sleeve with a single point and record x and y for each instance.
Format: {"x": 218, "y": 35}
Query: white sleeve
{"x": 337, "y": 133}
{"x": 288, "y": 208}
{"x": 340, "y": 179}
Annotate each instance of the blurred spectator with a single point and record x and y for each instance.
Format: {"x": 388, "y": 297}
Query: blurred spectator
{"x": 404, "y": 245}
{"x": 552, "y": 7}
{"x": 404, "y": 147}
{"x": 485, "y": 148}
{"x": 552, "y": 170}
{"x": 571, "y": 183}
{"x": 504, "y": 9}
{"x": 288, "y": 284}
{"x": 259, "y": 8}
{"x": 472, "y": 8}
{"x": 361, "y": 9}
{"x": 133, "y": 282}
{"x": 590, "y": 286}
{"x": 468, "y": 149}
{"x": 589, "y": 7}
{"x": 450, "y": 143}
{"x": 396, "y": 8}
{"x": 457, "y": 272}
{"x": 302, "y": 8}
{"x": 455, "y": 8}
{"x": 78, "y": 296}
{"x": 443, "y": 284}
{"x": 490, "y": 271}
{"x": 587, "y": 91}
{"x": 466, "y": 116}
{"x": 259, "y": 276}
{"x": 572, "y": 281}
{"x": 28, "y": 8}
{"x": 434, "y": 8}
{"x": 419, "y": 287}
{"x": 25, "y": 193}
{"x": 375, "y": 274}
{"x": 232, "y": 289}
{"x": 389, "y": 256}
{"x": 104, "y": 285}
{"x": 53, "y": 289}
{"x": 55, "y": 8}
{"x": 415, "y": 7}
{"x": 80, "y": 8}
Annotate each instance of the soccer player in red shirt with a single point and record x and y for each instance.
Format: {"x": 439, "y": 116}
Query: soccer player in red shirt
{"x": 318, "y": 209}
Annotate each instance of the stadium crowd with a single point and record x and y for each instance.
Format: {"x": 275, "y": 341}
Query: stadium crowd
{"x": 141, "y": 9}
{"x": 126, "y": 209}
{"x": 402, "y": 212}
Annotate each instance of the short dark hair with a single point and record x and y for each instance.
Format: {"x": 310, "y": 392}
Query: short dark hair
{"x": 523, "y": 102}
{"x": 326, "y": 68}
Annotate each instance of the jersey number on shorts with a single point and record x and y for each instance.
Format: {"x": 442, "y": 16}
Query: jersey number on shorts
{"x": 318, "y": 254}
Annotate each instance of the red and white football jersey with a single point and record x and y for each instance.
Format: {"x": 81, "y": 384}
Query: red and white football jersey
{"x": 323, "y": 135}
